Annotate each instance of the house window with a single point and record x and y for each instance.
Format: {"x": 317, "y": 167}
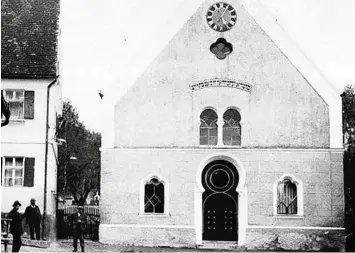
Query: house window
{"x": 231, "y": 128}
{"x": 154, "y": 196}
{"x": 15, "y": 99}
{"x": 286, "y": 197}
{"x": 13, "y": 171}
{"x": 21, "y": 104}
{"x": 208, "y": 127}
{"x": 17, "y": 171}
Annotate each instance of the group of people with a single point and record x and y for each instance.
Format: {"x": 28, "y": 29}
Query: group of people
{"x": 33, "y": 219}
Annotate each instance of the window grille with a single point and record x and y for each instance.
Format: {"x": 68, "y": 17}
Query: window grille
{"x": 286, "y": 197}
{"x": 13, "y": 171}
{"x": 231, "y": 128}
{"x": 208, "y": 127}
{"x": 154, "y": 196}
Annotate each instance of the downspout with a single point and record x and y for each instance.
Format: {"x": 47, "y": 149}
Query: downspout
{"x": 46, "y": 160}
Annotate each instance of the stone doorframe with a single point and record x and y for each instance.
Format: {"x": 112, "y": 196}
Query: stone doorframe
{"x": 242, "y": 196}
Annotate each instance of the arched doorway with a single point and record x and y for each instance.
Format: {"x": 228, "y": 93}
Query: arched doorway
{"x": 220, "y": 201}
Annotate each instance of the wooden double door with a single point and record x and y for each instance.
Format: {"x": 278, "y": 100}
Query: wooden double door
{"x": 220, "y": 202}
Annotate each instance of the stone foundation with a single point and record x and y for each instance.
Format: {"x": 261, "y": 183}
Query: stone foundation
{"x": 295, "y": 239}
{"x": 147, "y": 236}
{"x": 264, "y": 239}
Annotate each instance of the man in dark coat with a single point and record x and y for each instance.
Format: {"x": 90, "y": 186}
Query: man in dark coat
{"x": 16, "y": 226}
{"x": 33, "y": 219}
{"x": 78, "y": 221}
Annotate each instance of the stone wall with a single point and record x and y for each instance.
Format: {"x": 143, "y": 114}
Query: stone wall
{"x": 124, "y": 169}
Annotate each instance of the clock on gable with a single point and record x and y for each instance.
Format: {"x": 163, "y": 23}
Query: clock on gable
{"x": 221, "y": 17}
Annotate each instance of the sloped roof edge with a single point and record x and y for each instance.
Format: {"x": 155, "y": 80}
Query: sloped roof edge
{"x": 291, "y": 50}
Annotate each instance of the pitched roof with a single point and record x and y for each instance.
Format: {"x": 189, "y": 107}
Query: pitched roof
{"x": 29, "y": 38}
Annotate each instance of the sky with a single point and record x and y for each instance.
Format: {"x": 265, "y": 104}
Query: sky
{"x": 106, "y": 44}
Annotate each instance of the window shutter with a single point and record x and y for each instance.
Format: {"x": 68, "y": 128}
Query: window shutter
{"x": 29, "y": 172}
{"x": 29, "y": 104}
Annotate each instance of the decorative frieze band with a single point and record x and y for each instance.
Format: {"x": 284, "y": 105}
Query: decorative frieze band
{"x": 220, "y": 83}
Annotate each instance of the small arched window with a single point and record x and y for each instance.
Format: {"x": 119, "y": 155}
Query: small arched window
{"x": 286, "y": 197}
{"x": 231, "y": 128}
{"x": 208, "y": 127}
{"x": 154, "y": 196}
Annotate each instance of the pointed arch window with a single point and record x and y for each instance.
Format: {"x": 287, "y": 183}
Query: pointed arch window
{"x": 286, "y": 197}
{"x": 232, "y": 128}
{"x": 154, "y": 196}
{"x": 208, "y": 127}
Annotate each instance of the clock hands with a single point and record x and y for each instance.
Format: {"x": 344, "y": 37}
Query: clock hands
{"x": 222, "y": 16}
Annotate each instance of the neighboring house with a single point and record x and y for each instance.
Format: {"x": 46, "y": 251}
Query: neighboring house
{"x": 29, "y": 81}
{"x": 231, "y": 137}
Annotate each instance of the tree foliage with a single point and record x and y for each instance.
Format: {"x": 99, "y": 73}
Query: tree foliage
{"x": 78, "y": 155}
{"x": 349, "y": 118}
{"x": 349, "y": 158}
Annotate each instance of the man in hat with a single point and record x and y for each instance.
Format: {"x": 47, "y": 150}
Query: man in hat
{"x": 78, "y": 220}
{"x": 16, "y": 226}
{"x": 33, "y": 219}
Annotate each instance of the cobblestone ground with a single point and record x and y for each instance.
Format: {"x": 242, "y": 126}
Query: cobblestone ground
{"x": 90, "y": 246}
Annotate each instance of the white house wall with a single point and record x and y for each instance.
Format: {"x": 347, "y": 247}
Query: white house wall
{"x": 27, "y": 138}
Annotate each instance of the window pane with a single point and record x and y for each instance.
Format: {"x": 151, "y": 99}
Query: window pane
{"x": 8, "y": 173}
{"x": 8, "y": 182}
{"x": 19, "y": 95}
{"x": 231, "y": 135}
{"x": 159, "y": 208}
{"x": 213, "y": 141}
{"x": 9, "y": 94}
{"x": 16, "y": 109}
{"x": 203, "y": 132}
{"x": 18, "y": 173}
{"x": 208, "y": 116}
{"x": 203, "y": 123}
{"x": 148, "y": 208}
{"x": 19, "y": 161}
{"x": 232, "y": 114}
{"x": 154, "y": 197}
{"x": 149, "y": 190}
{"x": 231, "y": 128}
{"x": 8, "y": 161}
{"x": 208, "y": 127}
{"x": 287, "y": 197}
{"x": 203, "y": 140}
{"x": 18, "y": 182}
{"x": 213, "y": 132}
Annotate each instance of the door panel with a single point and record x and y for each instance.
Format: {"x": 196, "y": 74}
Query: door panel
{"x": 220, "y": 218}
{"x": 220, "y": 202}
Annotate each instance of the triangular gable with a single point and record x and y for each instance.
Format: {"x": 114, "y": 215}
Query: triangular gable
{"x": 319, "y": 83}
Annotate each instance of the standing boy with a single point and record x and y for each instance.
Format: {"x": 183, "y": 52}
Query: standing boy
{"x": 78, "y": 220}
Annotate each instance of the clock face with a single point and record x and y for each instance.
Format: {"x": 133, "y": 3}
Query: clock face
{"x": 221, "y": 17}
